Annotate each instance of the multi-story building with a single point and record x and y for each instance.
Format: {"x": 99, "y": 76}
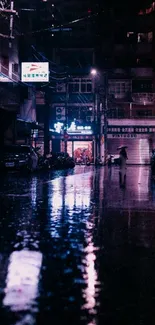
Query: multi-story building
{"x": 75, "y": 111}
{"x": 131, "y": 83}
{"x": 72, "y": 50}
{"x": 9, "y": 73}
{"x": 72, "y": 105}
{"x": 17, "y": 102}
{"x": 27, "y": 129}
{"x": 125, "y": 50}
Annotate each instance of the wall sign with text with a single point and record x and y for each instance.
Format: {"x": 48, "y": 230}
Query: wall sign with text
{"x": 35, "y": 72}
{"x": 130, "y": 130}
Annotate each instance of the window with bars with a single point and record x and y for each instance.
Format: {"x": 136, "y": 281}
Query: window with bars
{"x": 119, "y": 88}
{"x": 4, "y": 65}
{"x": 80, "y": 113}
{"x": 15, "y": 67}
{"x": 80, "y": 86}
{"x": 142, "y": 86}
{"x": 143, "y": 113}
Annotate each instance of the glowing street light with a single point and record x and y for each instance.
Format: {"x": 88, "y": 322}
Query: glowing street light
{"x": 93, "y": 72}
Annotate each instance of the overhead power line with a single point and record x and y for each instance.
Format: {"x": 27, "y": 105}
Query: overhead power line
{"x": 6, "y": 36}
{"x": 62, "y": 25}
{"x": 52, "y": 77}
{"x": 52, "y": 63}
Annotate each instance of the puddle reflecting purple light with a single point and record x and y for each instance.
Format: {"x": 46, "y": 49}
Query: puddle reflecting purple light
{"x": 22, "y": 280}
{"x": 91, "y": 279}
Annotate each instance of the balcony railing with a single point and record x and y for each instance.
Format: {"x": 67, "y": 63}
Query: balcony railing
{"x": 6, "y": 74}
{"x": 134, "y": 113}
{"x": 4, "y": 70}
{"x": 143, "y": 98}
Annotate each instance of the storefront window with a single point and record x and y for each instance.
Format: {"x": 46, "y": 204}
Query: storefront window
{"x": 82, "y": 151}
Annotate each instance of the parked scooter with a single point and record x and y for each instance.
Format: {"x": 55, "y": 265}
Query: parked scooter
{"x": 42, "y": 162}
{"x": 110, "y": 160}
{"x": 98, "y": 162}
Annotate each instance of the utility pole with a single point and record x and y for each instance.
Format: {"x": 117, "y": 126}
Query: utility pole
{"x": 105, "y": 110}
{"x": 10, "y": 12}
{"x": 98, "y": 126}
{"x": 66, "y": 117}
{"x": 11, "y": 23}
{"x": 46, "y": 122}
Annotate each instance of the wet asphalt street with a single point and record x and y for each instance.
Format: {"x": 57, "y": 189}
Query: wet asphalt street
{"x": 76, "y": 248}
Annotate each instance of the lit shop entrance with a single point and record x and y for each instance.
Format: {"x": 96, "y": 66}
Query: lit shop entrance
{"x": 82, "y": 151}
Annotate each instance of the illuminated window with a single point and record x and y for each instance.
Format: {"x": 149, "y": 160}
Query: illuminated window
{"x": 145, "y": 37}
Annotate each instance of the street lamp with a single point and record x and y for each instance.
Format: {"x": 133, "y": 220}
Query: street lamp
{"x": 93, "y": 72}
{"x": 103, "y": 95}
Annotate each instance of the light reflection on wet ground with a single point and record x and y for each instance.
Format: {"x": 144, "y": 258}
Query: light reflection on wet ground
{"x": 76, "y": 248}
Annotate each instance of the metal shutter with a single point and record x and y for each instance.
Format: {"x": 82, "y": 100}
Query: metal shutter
{"x": 138, "y": 150}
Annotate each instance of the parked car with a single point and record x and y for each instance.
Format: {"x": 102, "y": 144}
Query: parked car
{"x": 18, "y": 157}
{"x": 60, "y": 160}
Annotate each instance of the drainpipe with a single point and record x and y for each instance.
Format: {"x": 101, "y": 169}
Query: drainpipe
{"x": 130, "y": 110}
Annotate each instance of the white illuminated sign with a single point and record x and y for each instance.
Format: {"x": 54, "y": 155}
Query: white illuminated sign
{"x": 73, "y": 129}
{"x": 58, "y": 127}
{"x": 35, "y": 72}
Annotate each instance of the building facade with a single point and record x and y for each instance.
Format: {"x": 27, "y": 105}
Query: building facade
{"x": 75, "y": 110}
{"x": 131, "y": 88}
{"x": 9, "y": 73}
{"x": 72, "y": 115}
{"x": 124, "y": 50}
{"x": 17, "y": 99}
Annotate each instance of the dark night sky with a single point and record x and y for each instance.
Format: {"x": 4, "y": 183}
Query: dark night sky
{"x": 125, "y": 5}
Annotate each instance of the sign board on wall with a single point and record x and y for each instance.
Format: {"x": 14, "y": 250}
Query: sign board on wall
{"x": 128, "y": 136}
{"x": 35, "y": 72}
{"x": 136, "y": 129}
{"x": 74, "y": 137}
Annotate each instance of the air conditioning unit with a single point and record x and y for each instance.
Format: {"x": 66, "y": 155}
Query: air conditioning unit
{"x": 61, "y": 87}
{"x": 60, "y": 114}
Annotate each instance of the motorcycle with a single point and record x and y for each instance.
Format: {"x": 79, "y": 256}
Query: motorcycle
{"x": 42, "y": 162}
